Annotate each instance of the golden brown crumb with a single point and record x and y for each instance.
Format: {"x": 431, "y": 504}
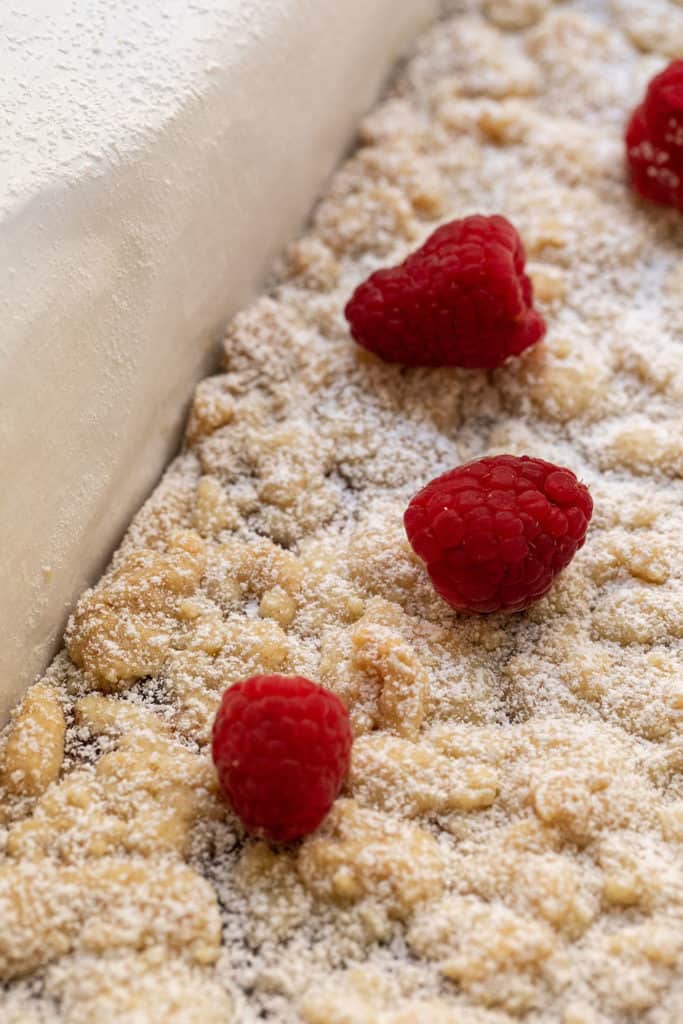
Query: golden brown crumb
{"x": 508, "y": 844}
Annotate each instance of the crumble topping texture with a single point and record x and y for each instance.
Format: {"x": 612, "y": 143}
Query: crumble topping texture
{"x": 508, "y": 846}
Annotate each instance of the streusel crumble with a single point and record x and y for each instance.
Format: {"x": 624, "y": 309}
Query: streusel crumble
{"x": 508, "y": 846}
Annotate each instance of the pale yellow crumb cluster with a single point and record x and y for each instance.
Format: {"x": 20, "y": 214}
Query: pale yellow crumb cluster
{"x": 508, "y": 846}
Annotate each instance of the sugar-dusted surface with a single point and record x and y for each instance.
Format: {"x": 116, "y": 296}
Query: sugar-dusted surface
{"x": 509, "y": 845}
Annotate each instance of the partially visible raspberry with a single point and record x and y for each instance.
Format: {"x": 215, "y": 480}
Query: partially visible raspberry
{"x": 462, "y": 299}
{"x": 654, "y": 139}
{"x": 281, "y": 746}
{"x": 496, "y": 532}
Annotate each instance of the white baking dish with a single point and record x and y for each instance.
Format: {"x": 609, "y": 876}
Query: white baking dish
{"x": 160, "y": 158}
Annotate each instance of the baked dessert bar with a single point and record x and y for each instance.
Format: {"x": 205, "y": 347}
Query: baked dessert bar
{"x": 508, "y": 844}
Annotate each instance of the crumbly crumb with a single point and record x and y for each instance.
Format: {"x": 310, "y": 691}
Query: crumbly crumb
{"x": 508, "y": 845}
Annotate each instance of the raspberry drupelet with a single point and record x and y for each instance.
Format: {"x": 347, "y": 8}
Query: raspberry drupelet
{"x": 462, "y": 299}
{"x": 282, "y": 748}
{"x": 496, "y": 532}
{"x": 654, "y": 140}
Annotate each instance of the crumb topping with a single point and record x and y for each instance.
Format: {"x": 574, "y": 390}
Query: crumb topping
{"x": 508, "y": 846}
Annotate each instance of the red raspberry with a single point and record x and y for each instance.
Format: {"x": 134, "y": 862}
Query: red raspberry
{"x": 495, "y": 532}
{"x": 463, "y": 299}
{"x": 282, "y": 747}
{"x": 654, "y": 139}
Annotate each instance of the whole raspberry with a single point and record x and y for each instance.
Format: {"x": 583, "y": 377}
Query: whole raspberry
{"x": 462, "y": 299}
{"x": 281, "y": 746}
{"x": 654, "y": 139}
{"x": 495, "y": 532}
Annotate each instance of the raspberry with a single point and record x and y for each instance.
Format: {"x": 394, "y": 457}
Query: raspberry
{"x": 281, "y": 746}
{"x": 654, "y": 139}
{"x": 495, "y": 532}
{"x": 462, "y": 299}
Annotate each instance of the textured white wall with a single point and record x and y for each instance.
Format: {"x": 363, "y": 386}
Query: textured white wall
{"x": 156, "y": 158}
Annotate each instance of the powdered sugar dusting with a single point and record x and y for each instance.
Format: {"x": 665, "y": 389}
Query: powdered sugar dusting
{"x": 508, "y": 843}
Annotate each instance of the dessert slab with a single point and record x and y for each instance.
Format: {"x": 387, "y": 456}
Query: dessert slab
{"x": 508, "y": 844}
